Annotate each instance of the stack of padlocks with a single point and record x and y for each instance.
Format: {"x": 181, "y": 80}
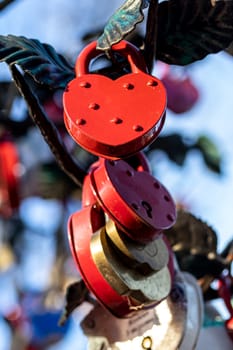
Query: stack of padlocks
{"x": 117, "y": 238}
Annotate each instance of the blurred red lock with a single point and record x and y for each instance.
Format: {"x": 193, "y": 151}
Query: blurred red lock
{"x": 225, "y": 292}
{"x": 9, "y": 178}
{"x": 182, "y": 94}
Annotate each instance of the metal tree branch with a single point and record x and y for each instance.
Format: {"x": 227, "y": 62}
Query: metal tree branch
{"x": 5, "y": 3}
{"x": 48, "y": 130}
{"x": 151, "y": 34}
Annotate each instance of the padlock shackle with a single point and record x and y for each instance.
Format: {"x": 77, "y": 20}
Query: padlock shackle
{"x": 124, "y": 48}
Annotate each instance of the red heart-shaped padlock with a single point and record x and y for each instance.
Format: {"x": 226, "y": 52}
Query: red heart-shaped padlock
{"x": 114, "y": 118}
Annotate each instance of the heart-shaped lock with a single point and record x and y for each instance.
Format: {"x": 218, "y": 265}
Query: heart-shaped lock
{"x": 114, "y": 118}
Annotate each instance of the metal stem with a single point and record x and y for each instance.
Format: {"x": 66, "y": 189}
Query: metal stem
{"x": 151, "y": 34}
{"x": 48, "y": 130}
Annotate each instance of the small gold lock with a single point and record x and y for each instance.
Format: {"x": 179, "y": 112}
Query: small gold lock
{"x": 144, "y": 287}
{"x": 154, "y": 254}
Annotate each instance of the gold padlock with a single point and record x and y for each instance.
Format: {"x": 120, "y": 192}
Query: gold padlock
{"x": 154, "y": 254}
{"x": 144, "y": 288}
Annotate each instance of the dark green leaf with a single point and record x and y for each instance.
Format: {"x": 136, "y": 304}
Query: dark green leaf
{"x": 5, "y": 3}
{"x": 174, "y": 146}
{"x": 76, "y": 294}
{"x": 122, "y": 23}
{"x": 191, "y": 29}
{"x": 190, "y": 235}
{"x": 39, "y": 60}
{"x": 210, "y": 153}
{"x": 230, "y": 49}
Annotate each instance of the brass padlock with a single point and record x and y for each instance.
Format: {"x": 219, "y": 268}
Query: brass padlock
{"x": 143, "y": 287}
{"x": 153, "y": 255}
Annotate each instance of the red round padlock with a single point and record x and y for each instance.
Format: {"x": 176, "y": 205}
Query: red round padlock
{"x": 114, "y": 118}
{"x": 81, "y": 227}
{"x": 137, "y": 202}
{"x": 138, "y": 162}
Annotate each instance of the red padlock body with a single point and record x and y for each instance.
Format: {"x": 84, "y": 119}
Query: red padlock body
{"x": 88, "y": 193}
{"x": 114, "y": 118}
{"x": 138, "y": 162}
{"x": 138, "y": 203}
{"x": 80, "y": 229}
{"x": 229, "y": 327}
{"x": 9, "y": 179}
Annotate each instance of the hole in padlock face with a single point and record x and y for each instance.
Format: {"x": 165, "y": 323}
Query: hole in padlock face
{"x": 167, "y": 199}
{"x": 170, "y": 217}
{"x": 148, "y": 208}
{"x": 129, "y": 173}
{"x": 91, "y": 324}
{"x": 135, "y": 206}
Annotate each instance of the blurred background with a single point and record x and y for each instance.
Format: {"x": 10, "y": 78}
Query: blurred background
{"x": 197, "y": 169}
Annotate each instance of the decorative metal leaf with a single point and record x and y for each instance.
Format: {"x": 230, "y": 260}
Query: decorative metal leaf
{"x": 76, "y": 294}
{"x": 5, "y": 3}
{"x": 191, "y": 235}
{"x": 39, "y": 60}
{"x": 177, "y": 148}
{"x": 230, "y": 49}
{"x": 174, "y": 146}
{"x": 210, "y": 153}
{"x": 189, "y": 30}
{"x": 122, "y": 23}
{"x": 195, "y": 246}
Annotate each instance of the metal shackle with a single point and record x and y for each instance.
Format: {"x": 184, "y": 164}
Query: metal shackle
{"x": 124, "y": 48}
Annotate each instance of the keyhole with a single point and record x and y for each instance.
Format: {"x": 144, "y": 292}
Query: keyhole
{"x": 147, "y": 208}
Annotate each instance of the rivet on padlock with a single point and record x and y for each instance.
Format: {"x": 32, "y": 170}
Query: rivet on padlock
{"x": 114, "y": 118}
{"x": 137, "y": 202}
